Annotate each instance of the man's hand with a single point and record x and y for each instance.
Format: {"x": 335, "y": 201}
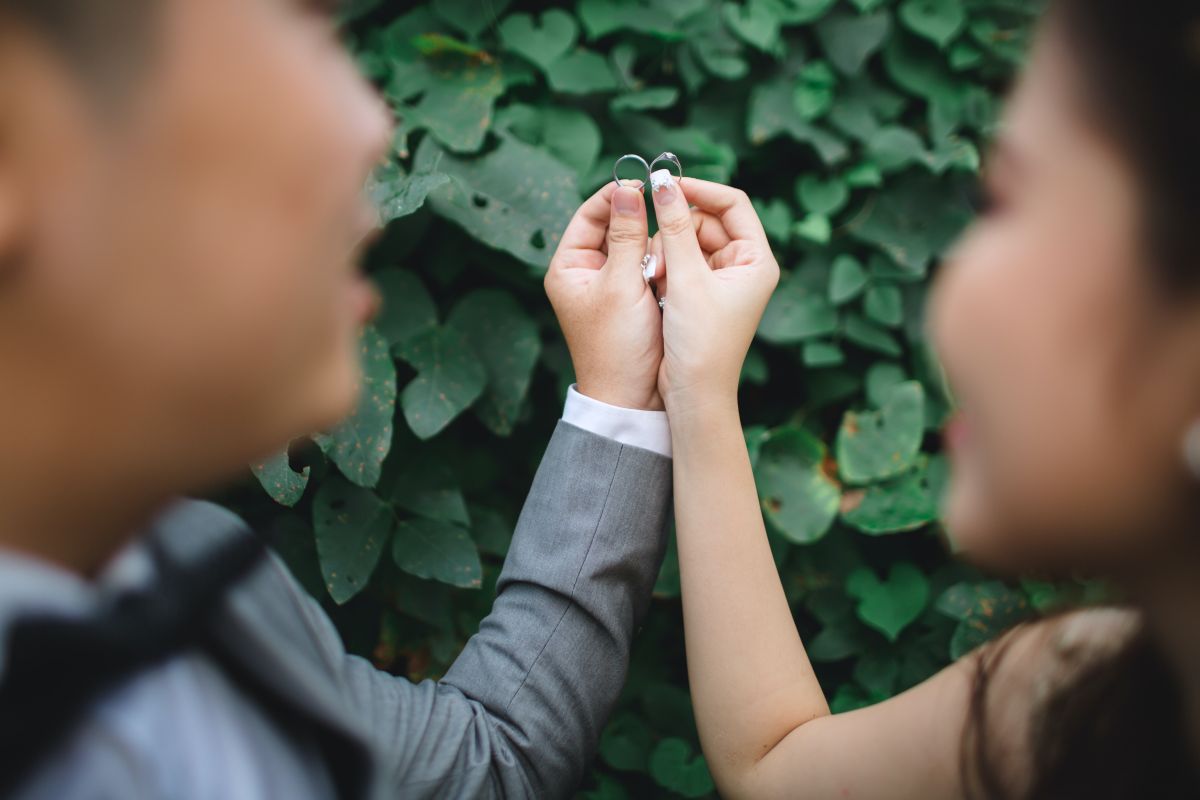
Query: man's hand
{"x": 608, "y": 313}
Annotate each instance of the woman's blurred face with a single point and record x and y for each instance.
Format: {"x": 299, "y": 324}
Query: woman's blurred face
{"x": 195, "y": 258}
{"x": 1076, "y": 374}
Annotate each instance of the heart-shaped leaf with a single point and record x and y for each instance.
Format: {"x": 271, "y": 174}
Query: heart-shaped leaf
{"x": 756, "y": 23}
{"x": 408, "y": 309}
{"x": 822, "y": 196}
{"x": 360, "y": 443}
{"x": 582, "y": 72}
{"x": 874, "y": 445}
{"x": 352, "y": 525}
{"x": 437, "y": 550}
{"x": 889, "y": 606}
{"x": 849, "y": 39}
{"x": 798, "y": 498}
{"x": 796, "y": 312}
{"x": 506, "y": 340}
{"x": 846, "y": 279}
{"x": 938, "y": 20}
{"x": 543, "y": 43}
{"x": 674, "y": 766}
{"x": 449, "y": 379}
{"x": 901, "y": 504}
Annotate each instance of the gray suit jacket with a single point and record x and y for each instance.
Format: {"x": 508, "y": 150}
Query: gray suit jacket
{"x": 520, "y": 712}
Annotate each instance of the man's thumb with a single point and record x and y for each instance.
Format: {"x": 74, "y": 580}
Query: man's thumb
{"x": 627, "y": 233}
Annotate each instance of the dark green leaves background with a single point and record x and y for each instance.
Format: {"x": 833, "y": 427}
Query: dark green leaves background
{"x": 856, "y": 126}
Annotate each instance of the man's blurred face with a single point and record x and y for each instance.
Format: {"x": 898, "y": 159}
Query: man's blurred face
{"x": 188, "y": 263}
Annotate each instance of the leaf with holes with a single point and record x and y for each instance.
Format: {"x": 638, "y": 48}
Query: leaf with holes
{"x": 894, "y": 506}
{"x": 449, "y": 379}
{"x": 506, "y": 340}
{"x": 798, "y": 498}
{"x": 437, "y": 550}
{"x": 352, "y": 526}
{"x": 874, "y": 445}
{"x": 359, "y": 444}
{"x": 282, "y": 483}
{"x": 516, "y": 198}
{"x": 891, "y": 605}
{"x": 456, "y": 104}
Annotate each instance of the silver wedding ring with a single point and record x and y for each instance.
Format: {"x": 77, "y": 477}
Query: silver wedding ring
{"x": 637, "y": 158}
{"x": 670, "y": 158}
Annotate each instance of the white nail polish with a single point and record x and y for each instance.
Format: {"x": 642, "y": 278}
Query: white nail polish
{"x": 649, "y": 265}
{"x": 660, "y": 178}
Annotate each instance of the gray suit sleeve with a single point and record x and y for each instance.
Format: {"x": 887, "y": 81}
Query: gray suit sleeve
{"x": 519, "y": 713}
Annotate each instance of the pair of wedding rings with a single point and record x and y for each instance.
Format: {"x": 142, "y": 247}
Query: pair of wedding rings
{"x": 668, "y": 158}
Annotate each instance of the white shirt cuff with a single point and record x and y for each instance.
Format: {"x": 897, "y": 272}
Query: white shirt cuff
{"x": 632, "y": 426}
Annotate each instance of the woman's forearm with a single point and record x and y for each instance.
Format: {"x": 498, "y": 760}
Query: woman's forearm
{"x": 751, "y": 680}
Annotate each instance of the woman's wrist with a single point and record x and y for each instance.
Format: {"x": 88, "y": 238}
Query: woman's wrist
{"x": 700, "y": 409}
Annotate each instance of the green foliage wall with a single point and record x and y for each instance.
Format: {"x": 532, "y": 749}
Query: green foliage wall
{"x": 856, "y": 126}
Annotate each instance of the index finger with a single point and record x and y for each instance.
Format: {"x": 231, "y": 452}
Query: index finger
{"x": 732, "y": 206}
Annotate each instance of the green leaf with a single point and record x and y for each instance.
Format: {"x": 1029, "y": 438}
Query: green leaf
{"x": 796, "y": 312}
{"x": 542, "y": 43}
{"x": 846, "y": 279}
{"x": 814, "y": 92}
{"x": 582, "y": 72}
{"x": 822, "y": 354}
{"x": 776, "y": 218}
{"x": 885, "y": 305}
{"x": 438, "y": 551}
{"x": 874, "y": 445}
{"x": 889, "y": 606}
{"x": 797, "y": 497}
{"x": 882, "y": 377}
{"x": 457, "y": 102}
{"x": 755, "y": 22}
{"x": 849, "y": 40}
{"x": 937, "y": 20}
{"x": 572, "y": 136}
{"x": 408, "y": 309}
{"x": 822, "y": 196}
{"x": 912, "y": 220}
{"x": 360, "y": 443}
{"x": 673, "y": 766}
{"x": 429, "y": 489}
{"x": 506, "y": 340}
{"x": 869, "y": 336}
{"x": 284, "y": 485}
{"x": 901, "y": 504}
{"x": 472, "y": 17}
{"x": 984, "y": 610}
{"x": 815, "y": 227}
{"x": 449, "y": 379}
{"x": 626, "y": 743}
{"x": 352, "y": 525}
{"x": 894, "y": 148}
{"x": 404, "y": 195}
{"x": 516, "y": 198}
{"x": 659, "y": 97}
{"x": 773, "y": 111}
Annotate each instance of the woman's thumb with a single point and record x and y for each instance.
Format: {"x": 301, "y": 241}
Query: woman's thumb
{"x": 681, "y": 250}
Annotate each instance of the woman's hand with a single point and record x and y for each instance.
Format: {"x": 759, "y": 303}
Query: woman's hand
{"x": 608, "y": 314}
{"x": 719, "y": 275}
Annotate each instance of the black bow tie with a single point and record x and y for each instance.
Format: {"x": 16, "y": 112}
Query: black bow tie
{"x": 57, "y": 667}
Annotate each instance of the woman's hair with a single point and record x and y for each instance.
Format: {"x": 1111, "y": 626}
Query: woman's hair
{"x": 1117, "y": 729}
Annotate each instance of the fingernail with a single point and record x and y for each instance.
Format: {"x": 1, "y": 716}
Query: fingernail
{"x": 663, "y": 184}
{"x": 625, "y": 200}
{"x": 649, "y": 265}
